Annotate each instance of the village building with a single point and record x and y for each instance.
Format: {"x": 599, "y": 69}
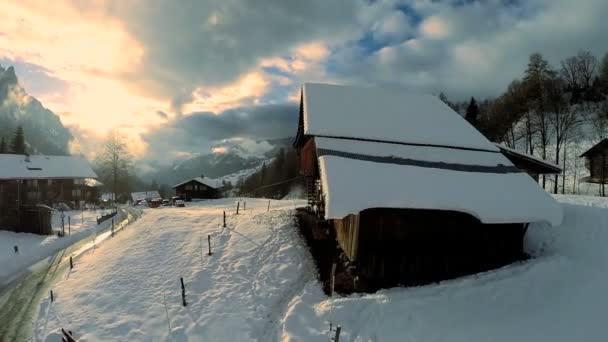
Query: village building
{"x": 31, "y": 185}
{"x": 532, "y": 165}
{"x": 198, "y": 188}
{"x": 411, "y": 192}
{"x": 596, "y": 162}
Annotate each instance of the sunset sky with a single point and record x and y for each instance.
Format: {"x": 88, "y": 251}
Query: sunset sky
{"x": 182, "y": 77}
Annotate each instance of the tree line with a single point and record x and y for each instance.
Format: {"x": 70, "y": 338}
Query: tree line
{"x": 17, "y": 143}
{"x": 550, "y": 110}
{"x": 273, "y": 180}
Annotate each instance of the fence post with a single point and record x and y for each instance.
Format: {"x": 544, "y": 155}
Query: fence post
{"x": 71, "y": 263}
{"x": 268, "y": 205}
{"x": 52, "y": 298}
{"x": 332, "y": 279}
{"x": 209, "y": 241}
{"x": 183, "y": 292}
{"x": 224, "y": 226}
{"x": 244, "y": 205}
{"x": 62, "y": 224}
{"x": 16, "y": 249}
{"x": 238, "y": 204}
{"x": 112, "y": 227}
{"x": 337, "y": 337}
{"x": 69, "y": 225}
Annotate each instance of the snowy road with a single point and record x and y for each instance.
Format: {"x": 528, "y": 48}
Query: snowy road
{"x": 19, "y": 300}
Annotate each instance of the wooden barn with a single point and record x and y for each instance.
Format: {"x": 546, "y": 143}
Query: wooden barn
{"x": 532, "y": 165}
{"x": 411, "y": 192}
{"x": 596, "y": 161}
{"x": 198, "y": 188}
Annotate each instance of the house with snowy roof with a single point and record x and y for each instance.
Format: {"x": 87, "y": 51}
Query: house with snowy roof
{"x": 411, "y": 191}
{"x": 35, "y": 180}
{"x": 198, "y": 188}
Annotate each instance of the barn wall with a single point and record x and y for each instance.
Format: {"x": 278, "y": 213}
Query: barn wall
{"x": 413, "y": 247}
{"x": 347, "y": 234}
{"x": 308, "y": 159}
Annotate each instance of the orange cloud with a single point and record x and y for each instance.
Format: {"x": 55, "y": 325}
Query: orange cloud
{"x": 434, "y": 27}
{"x": 249, "y": 87}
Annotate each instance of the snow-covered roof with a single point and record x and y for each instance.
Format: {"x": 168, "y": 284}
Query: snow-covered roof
{"x": 144, "y": 195}
{"x": 552, "y": 168}
{"x": 18, "y": 166}
{"x": 359, "y": 175}
{"x": 212, "y": 183}
{"x": 386, "y": 114}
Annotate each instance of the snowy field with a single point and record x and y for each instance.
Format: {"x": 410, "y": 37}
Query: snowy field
{"x": 259, "y": 285}
{"x": 33, "y": 248}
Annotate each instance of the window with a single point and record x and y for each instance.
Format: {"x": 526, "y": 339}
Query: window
{"x": 78, "y": 181}
{"x": 188, "y": 187}
{"x": 32, "y": 182}
{"x": 49, "y": 182}
{"x": 76, "y": 193}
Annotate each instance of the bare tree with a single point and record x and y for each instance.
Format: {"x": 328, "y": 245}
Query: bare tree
{"x": 115, "y": 163}
{"x": 569, "y": 72}
{"x": 587, "y": 64}
{"x": 564, "y": 119}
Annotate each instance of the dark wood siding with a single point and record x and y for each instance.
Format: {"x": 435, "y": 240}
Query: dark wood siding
{"x": 412, "y": 247}
{"x": 194, "y": 189}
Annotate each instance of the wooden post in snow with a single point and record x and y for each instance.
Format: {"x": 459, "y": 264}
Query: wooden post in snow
{"x": 238, "y": 204}
{"x": 332, "y": 280}
{"x": 181, "y": 279}
{"x": 224, "y": 226}
{"x": 244, "y": 205}
{"x": 209, "y": 241}
{"x": 268, "y": 206}
{"x": 71, "y": 263}
{"x": 112, "y": 227}
{"x": 337, "y": 336}
{"x": 52, "y": 297}
{"x": 69, "y": 225}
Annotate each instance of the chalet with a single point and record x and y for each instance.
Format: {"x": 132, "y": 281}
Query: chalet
{"x": 30, "y": 185}
{"x": 532, "y": 165}
{"x": 596, "y": 161}
{"x": 199, "y": 187}
{"x": 411, "y": 192}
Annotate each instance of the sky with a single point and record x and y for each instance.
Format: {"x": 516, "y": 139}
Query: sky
{"x": 187, "y": 77}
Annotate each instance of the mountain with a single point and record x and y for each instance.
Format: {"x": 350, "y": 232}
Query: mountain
{"x": 44, "y": 132}
{"x": 213, "y": 165}
{"x": 231, "y": 164}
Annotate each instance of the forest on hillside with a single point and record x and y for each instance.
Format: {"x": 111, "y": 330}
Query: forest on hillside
{"x": 554, "y": 112}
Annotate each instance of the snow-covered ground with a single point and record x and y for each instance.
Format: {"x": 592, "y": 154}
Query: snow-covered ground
{"x": 259, "y": 285}
{"x": 32, "y": 247}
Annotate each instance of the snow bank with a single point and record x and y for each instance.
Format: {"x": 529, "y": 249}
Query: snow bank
{"x": 259, "y": 285}
{"x": 239, "y": 293}
{"x": 558, "y": 296}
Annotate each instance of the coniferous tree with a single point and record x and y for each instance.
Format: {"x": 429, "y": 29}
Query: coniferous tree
{"x": 18, "y": 143}
{"x": 472, "y": 114}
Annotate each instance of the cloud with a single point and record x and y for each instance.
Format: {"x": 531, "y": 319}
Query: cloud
{"x": 202, "y": 131}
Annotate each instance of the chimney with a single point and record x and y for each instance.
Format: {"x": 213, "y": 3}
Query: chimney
{"x": 202, "y": 175}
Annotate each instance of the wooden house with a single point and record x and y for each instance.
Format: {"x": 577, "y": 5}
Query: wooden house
{"x": 596, "y": 161}
{"x": 532, "y": 165}
{"x": 411, "y": 192}
{"x": 32, "y": 183}
{"x": 198, "y": 188}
